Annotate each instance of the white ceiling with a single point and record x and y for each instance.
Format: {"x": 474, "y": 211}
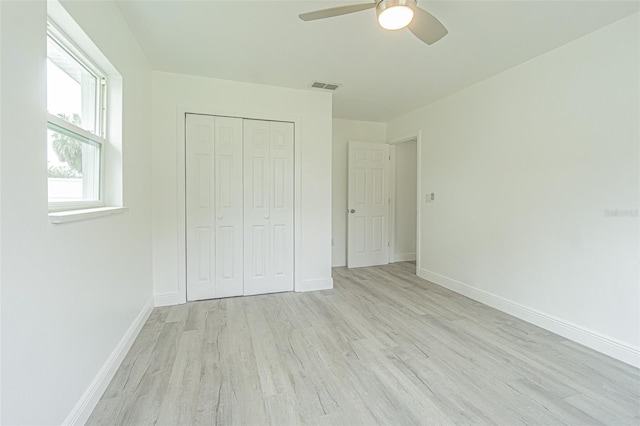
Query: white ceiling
{"x": 384, "y": 74}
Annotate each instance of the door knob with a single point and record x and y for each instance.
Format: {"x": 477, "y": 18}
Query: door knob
{"x": 352, "y": 211}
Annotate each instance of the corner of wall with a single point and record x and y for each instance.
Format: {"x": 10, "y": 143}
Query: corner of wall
{"x": 167, "y": 299}
{"x": 83, "y": 408}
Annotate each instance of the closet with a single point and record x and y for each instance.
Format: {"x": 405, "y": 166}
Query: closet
{"x": 239, "y": 206}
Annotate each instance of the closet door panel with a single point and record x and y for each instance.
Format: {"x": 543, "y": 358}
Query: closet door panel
{"x": 239, "y": 207}
{"x": 268, "y": 214}
{"x": 256, "y": 206}
{"x": 281, "y": 206}
{"x": 200, "y": 131}
{"x": 228, "y": 206}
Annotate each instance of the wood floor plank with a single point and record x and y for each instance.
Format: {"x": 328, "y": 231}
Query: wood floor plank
{"x": 383, "y": 347}
{"x": 179, "y": 403}
{"x": 145, "y": 401}
{"x": 562, "y": 411}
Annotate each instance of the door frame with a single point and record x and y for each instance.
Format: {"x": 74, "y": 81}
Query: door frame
{"x": 181, "y": 169}
{"x": 407, "y": 137}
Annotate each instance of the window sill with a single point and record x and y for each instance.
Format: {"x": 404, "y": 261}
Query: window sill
{"x": 84, "y": 214}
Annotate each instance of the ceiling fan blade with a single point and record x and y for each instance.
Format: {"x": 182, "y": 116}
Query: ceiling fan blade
{"x": 426, "y": 27}
{"x": 335, "y": 11}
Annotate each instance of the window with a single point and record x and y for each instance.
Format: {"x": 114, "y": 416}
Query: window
{"x": 76, "y": 105}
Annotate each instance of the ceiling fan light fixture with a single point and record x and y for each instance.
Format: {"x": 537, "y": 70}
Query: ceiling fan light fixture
{"x": 395, "y": 14}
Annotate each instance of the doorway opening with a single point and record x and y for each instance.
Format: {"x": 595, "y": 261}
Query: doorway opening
{"x": 404, "y": 201}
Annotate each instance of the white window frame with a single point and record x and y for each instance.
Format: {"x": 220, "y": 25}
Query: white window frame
{"x": 100, "y": 137}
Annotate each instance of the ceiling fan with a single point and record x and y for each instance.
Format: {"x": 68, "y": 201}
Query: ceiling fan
{"x": 392, "y": 15}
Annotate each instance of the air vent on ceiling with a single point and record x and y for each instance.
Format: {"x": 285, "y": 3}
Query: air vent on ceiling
{"x": 325, "y": 86}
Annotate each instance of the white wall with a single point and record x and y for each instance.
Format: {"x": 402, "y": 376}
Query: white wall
{"x": 524, "y": 166}
{"x": 343, "y": 132}
{"x": 404, "y": 245}
{"x": 312, "y": 112}
{"x": 69, "y": 292}
{"x": 1, "y": 135}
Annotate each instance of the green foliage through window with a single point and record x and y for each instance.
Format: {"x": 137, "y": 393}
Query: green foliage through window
{"x": 69, "y": 151}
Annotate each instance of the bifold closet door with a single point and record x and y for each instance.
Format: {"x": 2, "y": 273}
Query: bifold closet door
{"x": 268, "y": 207}
{"x": 214, "y": 207}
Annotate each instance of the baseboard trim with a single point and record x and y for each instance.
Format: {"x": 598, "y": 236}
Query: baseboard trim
{"x": 589, "y": 338}
{"x": 404, "y": 257}
{"x": 166, "y": 299}
{"x": 314, "y": 285}
{"x": 83, "y": 408}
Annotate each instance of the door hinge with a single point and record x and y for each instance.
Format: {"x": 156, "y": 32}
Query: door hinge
{"x": 388, "y": 244}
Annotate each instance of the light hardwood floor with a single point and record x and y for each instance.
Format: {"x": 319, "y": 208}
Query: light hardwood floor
{"x": 383, "y": 347}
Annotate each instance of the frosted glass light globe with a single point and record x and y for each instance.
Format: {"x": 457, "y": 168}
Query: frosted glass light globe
{"x": 395, "y": 17}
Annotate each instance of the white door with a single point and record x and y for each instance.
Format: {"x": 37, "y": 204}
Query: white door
{"x": 268, "y": 207}
{"x": 228, "y": 207}
{"x": 214, "y": 206}
{"x": 368, "y": 205}
{"x": 200, "y": 207}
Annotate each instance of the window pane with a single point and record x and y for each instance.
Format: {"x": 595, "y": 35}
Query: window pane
{"x": 71, "y": 88}
{"x": 73, "y": 165}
